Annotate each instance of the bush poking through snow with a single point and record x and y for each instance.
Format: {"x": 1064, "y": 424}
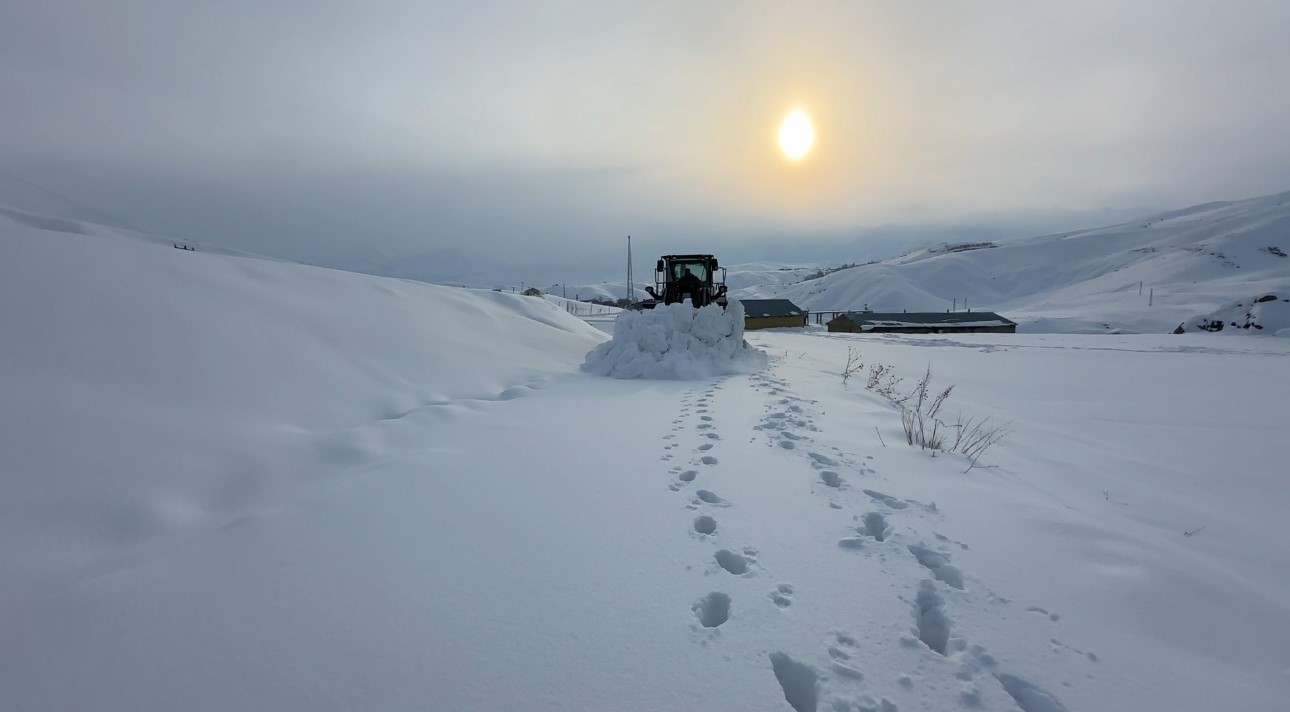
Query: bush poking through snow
{"x": 882, "y": 378}
{"x": 854, "y": 365}
{"x": 676, "y": 341}
{"x": 920, "y": 413}
{"x": 920, "y": 416}
{"x": 883, "y": 381}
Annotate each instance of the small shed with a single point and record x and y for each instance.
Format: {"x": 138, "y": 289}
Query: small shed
{"x": 532, "y": 292}
{"x": 771, "y": 313}
{"x": 922, "y": 323}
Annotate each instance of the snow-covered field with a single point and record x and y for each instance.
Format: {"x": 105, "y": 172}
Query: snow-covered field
{"x": 232, "y": 483}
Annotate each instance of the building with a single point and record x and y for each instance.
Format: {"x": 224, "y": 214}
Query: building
{"x": 771, "y": 313}
{"x": 532, "y": 292}
{"x": 967, "y": 322}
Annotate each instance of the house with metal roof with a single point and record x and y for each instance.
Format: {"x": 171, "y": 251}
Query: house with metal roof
{"x": 965, "y": 322}
{"x": 771, "y": 313}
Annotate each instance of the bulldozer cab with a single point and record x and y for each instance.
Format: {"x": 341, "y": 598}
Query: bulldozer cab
{"x": 698, "y": 269}
{"x": 681, "y": 277}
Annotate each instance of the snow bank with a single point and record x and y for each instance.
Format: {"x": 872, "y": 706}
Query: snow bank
{"x": 677, "y": 342}
{"x": 1264, "y": 314}
{"x": 150, "y": 392}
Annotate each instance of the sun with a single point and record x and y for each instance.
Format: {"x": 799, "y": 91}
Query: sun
{"x": 796, "y": 135}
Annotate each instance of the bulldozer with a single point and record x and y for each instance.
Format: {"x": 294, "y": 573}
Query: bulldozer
{"x": 678, "y": 278}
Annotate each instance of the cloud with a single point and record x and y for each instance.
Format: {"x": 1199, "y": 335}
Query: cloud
{"x": 303, "y": 128}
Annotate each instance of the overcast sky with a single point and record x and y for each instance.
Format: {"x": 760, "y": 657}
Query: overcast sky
{"x": 311, "y": 127}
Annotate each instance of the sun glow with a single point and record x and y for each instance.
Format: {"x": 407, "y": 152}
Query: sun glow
{"x": 796, "y": 135}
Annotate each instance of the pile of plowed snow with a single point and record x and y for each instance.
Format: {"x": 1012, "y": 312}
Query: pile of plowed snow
{"x": 677, "y": 342}
{"x": 1266, "y": 314}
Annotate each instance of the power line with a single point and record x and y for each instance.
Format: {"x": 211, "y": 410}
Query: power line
{"x": 74, "y": 203}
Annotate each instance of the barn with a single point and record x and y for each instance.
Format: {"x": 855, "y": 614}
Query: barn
{"x": 922, "y": 323}
{"x": 771, "y": 313}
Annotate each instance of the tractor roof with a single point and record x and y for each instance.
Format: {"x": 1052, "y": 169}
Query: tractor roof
{"x": 686, "y": 258}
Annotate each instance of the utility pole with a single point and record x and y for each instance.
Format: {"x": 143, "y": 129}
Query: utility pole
{"x": 1151, "y": 296}
{"x": 631, "y": 283}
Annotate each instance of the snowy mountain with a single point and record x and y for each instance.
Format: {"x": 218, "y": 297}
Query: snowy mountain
{"x": 1186, "y": 263}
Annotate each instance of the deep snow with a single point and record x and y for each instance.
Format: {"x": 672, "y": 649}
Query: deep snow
{"x": 240, "y": 484}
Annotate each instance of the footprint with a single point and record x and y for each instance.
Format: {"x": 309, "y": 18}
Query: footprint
{"x": 704, "y": 426}
{"x": 938, "y": 564}
{"x": 705, "y": 524}
{"x": 787, "y": 444}
{"x": 942, "y": 537}
{"x": 705, "y": 418}
{"x": 1029, "y": 697}
{"x": 732, "y": 562}
{"x": 712, "y": 610}
{"x": 1051, "y": 616}
{"x": 841, "y": 654}
{"x": 687, "y": 476}
{"x": 704, "y": 447}
{"x": 830, "y": 478}
{"x": 886, "y": 499}
{"x": 822, "y": 460}
{"x": 782, "y": 596}
{"x": 712, "y": 436}
{"x": 708, "y": 460}
{"x": 929, "y": 617}
{"x": 875, "y": 525}
{"x": 711, "y": 498}
{"x": 799, "y": 682}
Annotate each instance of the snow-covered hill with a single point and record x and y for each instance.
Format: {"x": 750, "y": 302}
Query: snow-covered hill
{"x": 153, "y": 392}
{"x": 1186, "y": 263}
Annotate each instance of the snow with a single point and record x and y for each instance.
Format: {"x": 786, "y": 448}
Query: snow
{"x": 232, "y": 483}
{"x": 1264, "y": 313}
{"x": 676, "y": 341}
{"x": 1144, "y": 276}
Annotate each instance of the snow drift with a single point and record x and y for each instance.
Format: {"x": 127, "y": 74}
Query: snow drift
{"x": 151, "y": 391}
{"x": 1264, "y": 314}
{"x": 677, "y": 342}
